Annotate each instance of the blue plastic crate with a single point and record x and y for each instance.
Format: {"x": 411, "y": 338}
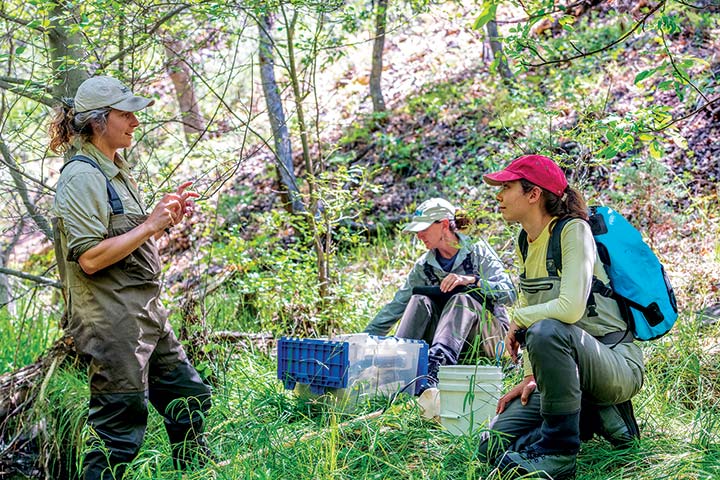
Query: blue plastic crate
{"x": 319, "y": 363}
{"x": 324, "y": 364}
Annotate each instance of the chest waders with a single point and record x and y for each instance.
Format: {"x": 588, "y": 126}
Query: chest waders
{"x": 572, "y": 368}
{"x": 116, "y": 319}
{"x": 458, "y": 324}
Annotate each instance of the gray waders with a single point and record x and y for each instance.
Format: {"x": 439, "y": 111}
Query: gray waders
{"x": 116, "y": 319}
{"x": 462, "y": 325}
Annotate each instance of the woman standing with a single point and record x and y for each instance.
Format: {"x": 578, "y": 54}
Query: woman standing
{"x": 471, "y": 287}
{"x": 578, "y": 348}
{"x": 109, "y": 264}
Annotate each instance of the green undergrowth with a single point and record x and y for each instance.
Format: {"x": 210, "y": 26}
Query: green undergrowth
{"x": 258, "y": 430}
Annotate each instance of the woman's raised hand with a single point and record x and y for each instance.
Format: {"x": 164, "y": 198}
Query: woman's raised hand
{"x": 172, "y": 207}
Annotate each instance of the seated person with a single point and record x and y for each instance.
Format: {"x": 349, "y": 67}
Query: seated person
{"x": 454, "y": 293}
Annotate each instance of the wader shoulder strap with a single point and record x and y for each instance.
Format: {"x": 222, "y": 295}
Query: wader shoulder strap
{"x": 113, "y": 197}
{"x": 430, "y": 274}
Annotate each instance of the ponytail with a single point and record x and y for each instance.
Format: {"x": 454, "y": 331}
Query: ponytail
{"x": 461, "y": 221}
{"x": 61, "y": 126}
{"x": 67, "y": 124}
{"x": 570, "y": 205}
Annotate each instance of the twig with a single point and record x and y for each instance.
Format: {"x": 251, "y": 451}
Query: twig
{"x": 684, "y": 117}
{"x": 677, "y": 70}
{"x": 33, "y": 278}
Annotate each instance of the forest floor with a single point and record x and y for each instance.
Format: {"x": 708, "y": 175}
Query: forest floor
{"x": 438, "y": 49}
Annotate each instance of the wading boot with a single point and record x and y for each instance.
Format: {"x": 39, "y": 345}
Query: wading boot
{"x": 549, "y": 466}
{"x": 617, "y": 424}
{"x": 553, "y": 456}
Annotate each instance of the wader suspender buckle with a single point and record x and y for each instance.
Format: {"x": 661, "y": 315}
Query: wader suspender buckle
{"x": 113, "y": 197}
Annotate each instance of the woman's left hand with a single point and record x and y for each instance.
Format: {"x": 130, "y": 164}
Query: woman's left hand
{"x": 454, "y": 280}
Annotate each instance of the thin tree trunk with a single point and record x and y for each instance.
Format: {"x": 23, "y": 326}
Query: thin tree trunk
{"x": 66, "y": 52}
{"x": 276, "y": 114}
{"x": 181, "y": 76}
{"x": 5, "y": 290}
{"x": 497, "y": 51}
{"x": 321, "y": 249}
{"x": 377, "y": 56}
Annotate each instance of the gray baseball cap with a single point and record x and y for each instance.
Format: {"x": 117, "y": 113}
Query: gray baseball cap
{"x": 101, "y": 92}
{"x": 429, "y": 212}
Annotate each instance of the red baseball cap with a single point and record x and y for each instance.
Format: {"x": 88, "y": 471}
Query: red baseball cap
{"x": 536, "y": 169}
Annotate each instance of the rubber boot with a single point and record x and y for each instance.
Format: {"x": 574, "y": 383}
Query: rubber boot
{"x": 435, "y": 359}
{"x": 118, "y": 423}
{"x": 617, "y": 424}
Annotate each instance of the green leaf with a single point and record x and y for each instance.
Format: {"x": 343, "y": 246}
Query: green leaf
{"x": 643, "y": 75}
{"x": 656, "y": 151}
{"x": 608, "y": 152}
{"x": 487, "y": 14}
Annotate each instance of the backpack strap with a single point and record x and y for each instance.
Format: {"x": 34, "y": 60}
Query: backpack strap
{"x": 113, "y": 197}
{"x": 523, "y": 245}
{"x": 553, "y": 260}
{"x": 553, "y": 257}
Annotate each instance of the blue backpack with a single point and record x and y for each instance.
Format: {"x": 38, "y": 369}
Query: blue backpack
{"x": 638, "y": 281}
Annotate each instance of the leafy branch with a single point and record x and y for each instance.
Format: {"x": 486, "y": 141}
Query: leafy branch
{"x": 677, "y": 70}
{"x": 684, "y": 117}
{"x": 148, "y": 34}
{"x": 601, "y": 49}
{"x": 20, "y": 21}
{"x": 14, "y": 86}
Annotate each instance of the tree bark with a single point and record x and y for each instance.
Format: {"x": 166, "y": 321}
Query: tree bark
{"x": 377, "y": 56}
{"x": 5, "y": 289}
{"x": 276, "y": 115}
{"x": 66, "y": 51}
{"x": 192, "y": 119}
{"x": 497, "y": 51}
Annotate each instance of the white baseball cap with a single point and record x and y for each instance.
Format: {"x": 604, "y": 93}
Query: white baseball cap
{"x": 429, "y": 212}
{"x": 102, "y": 91}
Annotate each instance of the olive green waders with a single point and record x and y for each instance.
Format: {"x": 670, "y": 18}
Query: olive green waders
{"x": 570, "y": 366}
{"x": 116, "y": 319}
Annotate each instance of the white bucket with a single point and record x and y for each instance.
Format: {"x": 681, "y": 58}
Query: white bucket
{"x": 468, "y": 396}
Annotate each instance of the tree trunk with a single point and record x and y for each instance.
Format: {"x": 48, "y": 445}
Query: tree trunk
{"x": 497, "y": 51}
{"x": 276, "y": 115}
{"x": 5, "y": 290}
{"x": 192, "y": 119}
{"x": 377, "y": 56}
{"x": 66, "y": 52}
{"x": 321, "y": 248}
